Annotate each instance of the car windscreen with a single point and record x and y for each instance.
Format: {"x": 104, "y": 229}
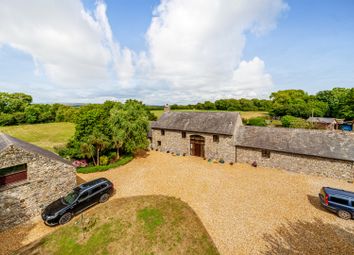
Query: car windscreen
{"x": 71, "y": 197}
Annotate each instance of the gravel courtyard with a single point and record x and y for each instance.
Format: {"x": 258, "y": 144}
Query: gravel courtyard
{"x": 246, "y": 210}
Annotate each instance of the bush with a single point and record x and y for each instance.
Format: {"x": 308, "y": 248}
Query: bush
{"x": 257, "y": 121}
{"x": 6, "y": 119}
{"x": 104, "y": 160}
{"x": 287, "y": 120}
{"x": 80, "y": 163}
{"x": 112, "y": 156}
{"x": 122, "y": 161}
{"x": 293, "y": 122}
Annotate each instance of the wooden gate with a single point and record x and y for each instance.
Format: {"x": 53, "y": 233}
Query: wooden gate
{"x": 197, "y": 145}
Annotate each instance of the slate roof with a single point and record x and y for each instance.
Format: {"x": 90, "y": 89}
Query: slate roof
{"x": 321, "y": 120}
{"x": 204, "y": 122}
{"x": 327, "y": 144}
{"x": 6, "y": 140}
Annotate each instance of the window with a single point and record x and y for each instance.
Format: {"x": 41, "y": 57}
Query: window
{"x": 158, "y": 143}
{"x": 215, "y": 138}
{"x": 99, "y": 188}
{"x": 338, "y": 200}
{"x": 162, "y": 132}
{"x": 13, "y": 174}
{"x": 265, "y": 154}
{"x": 71, "y": 197}
{"x": 83, "y": 196}
{"x": 96, "y": 189}
{"x": 183, "y": 134}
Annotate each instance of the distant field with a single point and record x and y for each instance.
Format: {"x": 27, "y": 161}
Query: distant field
{"x": 245, "y": 115}
{"x": 45, "y": 135}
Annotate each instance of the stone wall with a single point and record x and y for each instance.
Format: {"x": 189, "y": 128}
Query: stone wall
{"x": 298, "y": 163}
{"x": 172, "y": 141}
{"x": 47, "y": 180}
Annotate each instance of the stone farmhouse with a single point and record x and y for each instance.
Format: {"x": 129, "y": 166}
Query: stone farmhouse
{"x": 221, "y": 135}
{"x": 30, "y": 178}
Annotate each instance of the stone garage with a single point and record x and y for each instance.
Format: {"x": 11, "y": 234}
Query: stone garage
{"x": 30, "y": 178}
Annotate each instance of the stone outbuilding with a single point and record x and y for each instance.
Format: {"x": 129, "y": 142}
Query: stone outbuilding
{"x": 30, "y": 179}
{"x": 221, "y": 135}
{"x": 324, "y": 123}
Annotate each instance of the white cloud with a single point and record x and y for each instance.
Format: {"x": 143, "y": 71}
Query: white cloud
{"x": 194, "y": 49}
{"x": 199, "y": 43}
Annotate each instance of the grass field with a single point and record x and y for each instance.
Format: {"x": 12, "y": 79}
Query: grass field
{"x": 245, "y": 115}
{"x": 45, "y": 135}
{"x": 136, "y": 225}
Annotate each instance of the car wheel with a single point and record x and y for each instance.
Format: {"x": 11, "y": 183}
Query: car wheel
{"x": 65, "y": 218}
{"x": 344, "y": 214}
{"x": 104, "y": 198}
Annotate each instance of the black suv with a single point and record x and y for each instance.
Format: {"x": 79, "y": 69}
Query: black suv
{"x": 338, "y": 201}
{"x": 86, "y": 195}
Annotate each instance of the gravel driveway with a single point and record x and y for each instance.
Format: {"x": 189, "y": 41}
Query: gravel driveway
{"x": 246, "y": 210}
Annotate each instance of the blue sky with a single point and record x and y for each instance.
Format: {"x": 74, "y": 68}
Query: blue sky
{"x": 66, "y": 56}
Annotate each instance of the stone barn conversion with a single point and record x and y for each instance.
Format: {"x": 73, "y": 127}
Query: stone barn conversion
{"x": 203, "y": 134}
{"x": 30, "y": 178}
{"x": 221, "y": 135}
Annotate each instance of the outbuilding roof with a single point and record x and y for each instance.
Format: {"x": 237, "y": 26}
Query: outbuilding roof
{"x": 322, "y": 120}
{"x": 203, "y": 122}
{"x": 327, "y": 144}
{"x": 7, "y": 140}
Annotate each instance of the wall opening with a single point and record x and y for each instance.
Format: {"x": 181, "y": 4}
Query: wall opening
{"x": 13, "y": 174}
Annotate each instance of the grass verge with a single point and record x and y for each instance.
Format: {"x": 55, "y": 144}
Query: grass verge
{"x": 92, "y": 169}
{"x": 135, "y": 225}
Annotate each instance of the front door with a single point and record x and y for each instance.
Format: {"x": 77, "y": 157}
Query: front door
{"x": 197, "y": 145}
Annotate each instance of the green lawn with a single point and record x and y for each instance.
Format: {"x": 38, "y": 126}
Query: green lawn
{"x": 45, "y": 135}
{"x": 245, "y": 115}
{"x": 135, "y": 225}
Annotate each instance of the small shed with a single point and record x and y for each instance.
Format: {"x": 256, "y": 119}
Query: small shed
{"x": 324, "y": 123}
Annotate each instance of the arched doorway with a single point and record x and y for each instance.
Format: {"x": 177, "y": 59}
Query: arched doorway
{"x": 197, "y": 145}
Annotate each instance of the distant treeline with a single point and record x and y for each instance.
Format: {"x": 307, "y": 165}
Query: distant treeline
{"x": 17, "y": 108}
{"x": 337, "y": 103}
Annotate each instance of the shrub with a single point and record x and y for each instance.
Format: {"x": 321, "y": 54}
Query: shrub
{"x": 80, "y": 163}
{"x": 287, "y": 120}
{"x": 6, "y": 119}
{"x": 104, "y": 160}
{"x": 257, "y": 121}
{"x": 293, "y": 122}
{"x": 112, "y": 156}
{"x": 122, "y": 161}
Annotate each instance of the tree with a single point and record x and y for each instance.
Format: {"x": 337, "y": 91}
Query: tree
{"x": 88, "y": 150}
{"x": 129, "y": 125}
{"x": 100, "y": 142}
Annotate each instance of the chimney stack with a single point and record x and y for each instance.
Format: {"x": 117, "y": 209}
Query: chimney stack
{"x": 167, "y": 108}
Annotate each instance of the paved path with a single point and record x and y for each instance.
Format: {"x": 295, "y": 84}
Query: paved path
{"x": 246, "y": 210}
